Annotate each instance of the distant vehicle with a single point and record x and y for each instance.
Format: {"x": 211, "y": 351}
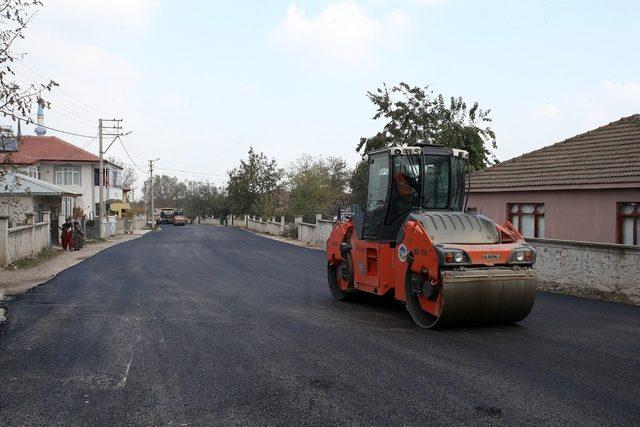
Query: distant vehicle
{"x": 179, "y": 218}
{"x": 166, "y": 216}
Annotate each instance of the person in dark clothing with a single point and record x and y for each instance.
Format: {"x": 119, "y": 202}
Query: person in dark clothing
{"x": 78, "y": 236}
{"x": 67, "y": 235}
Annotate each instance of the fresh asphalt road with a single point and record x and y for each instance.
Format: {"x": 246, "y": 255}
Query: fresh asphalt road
{"x": 209, "y": 325}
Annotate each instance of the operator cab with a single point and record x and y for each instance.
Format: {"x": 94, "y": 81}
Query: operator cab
{"x": 406, "y": 179}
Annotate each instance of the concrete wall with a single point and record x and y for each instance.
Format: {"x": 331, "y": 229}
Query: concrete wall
{"x": 581, "y": 215}
{"x": 315, "y": 234}
{"x": 110, "y": 226}
{"x": 23, "y": 242}
{"x": 591, "y": 269}
{"x": 268, "y": 227}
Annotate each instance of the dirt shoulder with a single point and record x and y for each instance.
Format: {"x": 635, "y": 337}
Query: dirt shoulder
{"x": 24, "y": 275}
{"x": 287, "y": 240}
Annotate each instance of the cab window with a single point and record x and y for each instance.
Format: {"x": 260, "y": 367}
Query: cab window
{"x": 376, "y": 193}
{"x": 436, "y": 182}
{"x": 405, "y": 190}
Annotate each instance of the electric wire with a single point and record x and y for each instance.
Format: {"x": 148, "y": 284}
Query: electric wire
{"x": 77, "y": 100}
{"x": 30, "y": 121}
{"x": 57, "y": 103}
{"x": 189, "y": 172}
{"x": 129, "y": 156}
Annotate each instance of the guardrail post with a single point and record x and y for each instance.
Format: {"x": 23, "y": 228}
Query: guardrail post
{"x": 318, "y": 216}
{"x": 282, "y": 223}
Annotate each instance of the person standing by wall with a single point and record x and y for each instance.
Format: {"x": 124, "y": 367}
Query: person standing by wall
{"x": 78, "y": 236}
{"x": 67, "y": 235}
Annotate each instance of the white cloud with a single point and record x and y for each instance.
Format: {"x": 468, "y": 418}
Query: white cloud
{"x": 84, "y": 69}
{"x": 341, "y": 33}
{"x": 547, "y": 111}
{"x": 132, "y": 14}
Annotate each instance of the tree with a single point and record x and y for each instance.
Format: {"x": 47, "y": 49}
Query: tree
{"x": 196, "y": 198}
{"x": 358, "y": 183}
{"x": 317, "y": 185}
{"x": 129, "y": 174}
{"x": 253, "y": 186}
{"x": 415, "y": 114}
{"x": 16, "y": 100}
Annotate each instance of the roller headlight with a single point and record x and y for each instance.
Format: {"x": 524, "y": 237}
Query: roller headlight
{"x": 525, "y": 255}
{"x": 453, "y": 257}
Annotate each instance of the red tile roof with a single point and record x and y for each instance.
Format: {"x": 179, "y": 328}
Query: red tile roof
{"x": 607, "y": 155}
{"x": 48, "y": 148}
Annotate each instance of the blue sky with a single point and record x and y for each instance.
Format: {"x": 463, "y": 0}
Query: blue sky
{"x": 199, "y": 82}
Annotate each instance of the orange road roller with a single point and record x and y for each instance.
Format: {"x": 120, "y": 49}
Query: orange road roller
{"x": 416, "y": 240}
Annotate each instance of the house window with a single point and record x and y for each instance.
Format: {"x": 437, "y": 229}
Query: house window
{"x": 528, "y": 218}
{"x": 32, "y": 171}
{"x": 117, "y": 178}
{"x": 67, "y": 206}
{"x": 68, "y": 175}
{"x": 629, "y": 223}
{"x": 96, "y": 176}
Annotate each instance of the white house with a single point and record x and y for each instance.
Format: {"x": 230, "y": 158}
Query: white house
{"x": 58, "y": 162}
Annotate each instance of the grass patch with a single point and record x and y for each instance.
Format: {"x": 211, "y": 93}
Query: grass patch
{"x": 44, "y": 256}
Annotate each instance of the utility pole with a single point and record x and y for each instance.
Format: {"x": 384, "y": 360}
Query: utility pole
{"x": 153, "y": 212}
{"x": 113, "y": 129}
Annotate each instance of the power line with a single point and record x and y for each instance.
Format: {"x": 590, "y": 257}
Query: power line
{"x": 190, "y": 172}
{"x": 58, "y": 103}
{"x": 185, "y": 173}
{"x": 78, "y": 100}
{"x": 75, "y": 119}
{"x": 129, "y": 156}
{"x": 30, "y": 121}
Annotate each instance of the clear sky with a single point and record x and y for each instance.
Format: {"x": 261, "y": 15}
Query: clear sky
{"x": 198, "y": 82}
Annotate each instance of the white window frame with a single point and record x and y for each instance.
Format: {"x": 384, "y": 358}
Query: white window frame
{"x": 72, "y": 172}
{"x": 515, "y": 214}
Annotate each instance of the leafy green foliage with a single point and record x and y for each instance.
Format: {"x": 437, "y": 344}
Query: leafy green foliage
{"x": 253, "y": 185}
{"x": 317, "y": 185}
{"x": 358, "y": 183}
{"x": 415, "y": 114}
{"x": 196, "y": 198}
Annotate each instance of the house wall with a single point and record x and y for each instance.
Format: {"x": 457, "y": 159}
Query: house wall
{"x": 582, "y": 215}
{"x": 85, "y": 201}
{"x": 89, "y": 192}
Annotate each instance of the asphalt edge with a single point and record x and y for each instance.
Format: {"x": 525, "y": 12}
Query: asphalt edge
{"x": 4, "y": 296}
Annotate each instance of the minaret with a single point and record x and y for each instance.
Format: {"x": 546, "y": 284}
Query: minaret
{"x": 40, "y": 130}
